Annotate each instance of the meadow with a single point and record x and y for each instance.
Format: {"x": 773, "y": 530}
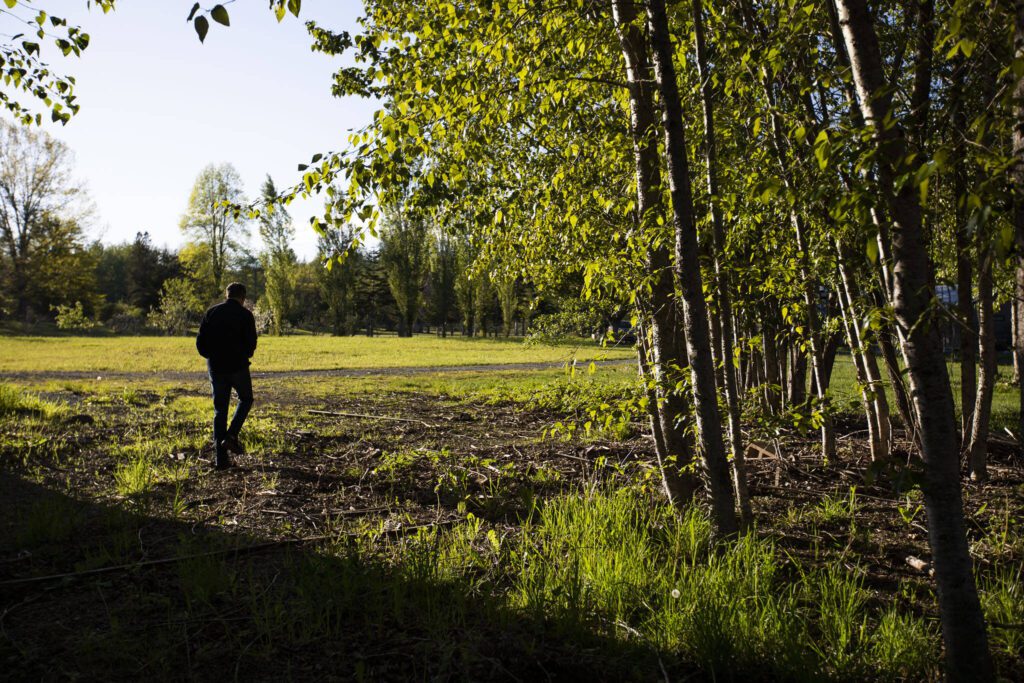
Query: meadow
{"x": 288, "y": 353}
{"x": 478, "y": 524}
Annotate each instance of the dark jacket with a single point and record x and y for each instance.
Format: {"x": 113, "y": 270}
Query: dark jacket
{"x": 227, "y": 336}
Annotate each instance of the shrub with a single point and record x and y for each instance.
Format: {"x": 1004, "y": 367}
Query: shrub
{"x": 126, "y": 319}
{"x": 72, "y": 317}
{"x": 179, "y": 307}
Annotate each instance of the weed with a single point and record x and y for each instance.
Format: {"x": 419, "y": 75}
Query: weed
{"x": 838, "y": 508}
{"x": 14, "y": 401}
{"x": 134, "y": 477}
{"x": 1002, "y": 596}
{"x": 202, "y": 578}
{"x": 909, "y": 510}
{"x": 904, "y": 647}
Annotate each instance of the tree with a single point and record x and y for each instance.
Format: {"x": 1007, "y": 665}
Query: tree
{"x": 444, "y": 272}
{"x": 23, "y": 68}
{"x": 148, "y": 268}
{"x": 212, "y": 224}
{"x": 687, "y": 272}
{"x": 404, "y": 254}
{"x": 277, "y": 257}
{"x": 1018, "y": 204}
{"x": 963, "y": 623}
{"x": 180, "y": 307}
{"x": 40, "y": 210}
{"x": 340, "y": 266}
{"x": 505, "y": 286}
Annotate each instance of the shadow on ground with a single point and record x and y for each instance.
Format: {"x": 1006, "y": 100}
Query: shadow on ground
{"x": 189, "y": 601}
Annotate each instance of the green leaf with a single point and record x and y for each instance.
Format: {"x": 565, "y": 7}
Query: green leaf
{"x": 871, "y": 249}
{"x": 202, "y": 28}
{"x": 192, "y": 13}
{"x": 220, "y": 15}
{"x": 294, "y": 6}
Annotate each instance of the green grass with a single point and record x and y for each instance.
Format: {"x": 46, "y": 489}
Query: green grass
{"x": 621, "y": 583}
{"x": 178, "y": 354}
{"x": 16, "y": 402}
{"x": 1005, "y": 400}
{"x": 612, "y": 562}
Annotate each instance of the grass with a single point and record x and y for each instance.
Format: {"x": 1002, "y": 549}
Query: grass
{"x": 178, "y": 354}
{"x": 1005, "y": 398}
{"x": 527, "y": 570}
{"x": 14, "y": 401}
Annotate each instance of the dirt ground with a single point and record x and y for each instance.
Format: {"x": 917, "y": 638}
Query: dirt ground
{"x": 392, "y": 465}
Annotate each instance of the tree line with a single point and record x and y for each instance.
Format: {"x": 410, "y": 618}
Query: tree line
{"x": 415, "y": 278}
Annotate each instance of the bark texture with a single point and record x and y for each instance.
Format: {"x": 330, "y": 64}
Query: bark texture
{"x": 1018, "y": 206}
{"x": 963, "y": 624}
{"x": 687, "y": 268}
{"x": 665, "y": 350}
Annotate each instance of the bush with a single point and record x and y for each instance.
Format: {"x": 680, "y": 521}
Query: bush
{"x": 72, "y": 317}
{"x": 264, "y": 316}
{"x": 179, "y": 307}
{"x": 126, "y": 319}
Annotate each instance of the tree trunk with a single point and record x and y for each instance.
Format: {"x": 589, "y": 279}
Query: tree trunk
{"x": 666, "y": 353}
{"x": 876, "y": 406}
{"x": 964, "y": 277}
{"x": 669, "y": 441}
{"x": 726, "y": 333}
{"x": 797, "y": 376}
{"x": 963, "y": 624}
{"x": 772, "y": 381}
{"x": 687, "y": 269}
{"x": 978, "y": 447}
{"x": 1014, "y": 322}
{"x": 1018, "y": 207}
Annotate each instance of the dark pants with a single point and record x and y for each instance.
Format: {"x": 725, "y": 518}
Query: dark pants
{"x": 223, "y": 383}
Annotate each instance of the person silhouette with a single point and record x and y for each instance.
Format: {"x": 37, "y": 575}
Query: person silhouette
{"x": 227, "y": 340}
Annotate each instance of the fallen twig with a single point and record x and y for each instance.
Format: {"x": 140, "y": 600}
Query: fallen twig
{"x": 762, "y": 452}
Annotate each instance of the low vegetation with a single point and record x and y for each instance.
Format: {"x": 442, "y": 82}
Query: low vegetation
{"x": 364, "y": 547}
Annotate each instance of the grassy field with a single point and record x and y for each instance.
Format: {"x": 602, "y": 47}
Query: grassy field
{"x": 500, "y": 524}
{"x": 306, "y": 352}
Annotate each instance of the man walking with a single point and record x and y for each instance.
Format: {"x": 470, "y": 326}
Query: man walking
{"x": 227, "y": 339}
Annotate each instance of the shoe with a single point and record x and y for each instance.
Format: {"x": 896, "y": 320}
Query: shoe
{"x": 222, "y": 465}
{"x": 232, "y": 444}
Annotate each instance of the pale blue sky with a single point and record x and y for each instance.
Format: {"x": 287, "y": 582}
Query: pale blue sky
{"x": 157, "y": 106}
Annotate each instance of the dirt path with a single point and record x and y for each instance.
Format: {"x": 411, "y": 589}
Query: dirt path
{"x": 173, "y": 375}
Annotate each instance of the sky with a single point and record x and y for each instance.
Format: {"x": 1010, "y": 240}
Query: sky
{"x": 158, "y": 106}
